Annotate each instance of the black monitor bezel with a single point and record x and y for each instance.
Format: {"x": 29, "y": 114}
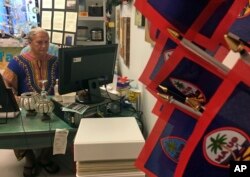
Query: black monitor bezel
{"x": 65, "y": 83}
{"x": 7, "y": 99}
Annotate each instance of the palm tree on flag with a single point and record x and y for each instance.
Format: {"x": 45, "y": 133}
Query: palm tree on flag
{"x": 219, "y": 143}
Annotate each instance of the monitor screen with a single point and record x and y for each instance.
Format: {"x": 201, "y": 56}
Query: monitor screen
{"x": 86, "y": 68}
{"x": 17, "y": 17}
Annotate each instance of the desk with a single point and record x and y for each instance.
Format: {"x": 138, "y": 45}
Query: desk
{"x": 94, "y": 110}
{"x": 73, "y": 119}
{"x": 31, "y": 132}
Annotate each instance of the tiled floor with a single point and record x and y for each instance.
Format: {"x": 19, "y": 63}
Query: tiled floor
{"x": 10, "y": 167}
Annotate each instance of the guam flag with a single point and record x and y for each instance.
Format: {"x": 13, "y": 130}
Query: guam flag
{"x": 222, "y": 132}
{"x": 186, "y": 75}
{"x": 179, "y": 14}
{"x": 158, "y": 107}
{"x": 203, "y": 22}
{"x": 241, "y": 26}
{"x": 163, "y": 49}
{"x": 212, "y": 32}
{"x": 160, "y": 154}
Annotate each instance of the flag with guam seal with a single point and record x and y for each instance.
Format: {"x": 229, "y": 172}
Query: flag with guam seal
{"x": 160, "y": 154}
{"x": 222, "y": 133}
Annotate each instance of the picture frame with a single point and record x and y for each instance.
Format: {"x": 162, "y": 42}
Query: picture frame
{"x": 125, "y": 40}
{"x": 71, "y": 4}
{"x": 117, "y": 23}
{"x": 69, "y": 39}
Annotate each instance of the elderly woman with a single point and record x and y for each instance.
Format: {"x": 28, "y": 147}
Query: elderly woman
{"x": 24, "y": 74}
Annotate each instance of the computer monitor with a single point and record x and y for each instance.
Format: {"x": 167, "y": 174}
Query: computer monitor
{"x": 86, "y": 68}
{"x": 8, "y": 105}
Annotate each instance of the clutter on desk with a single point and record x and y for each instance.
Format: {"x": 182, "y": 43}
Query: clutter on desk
{"x": 134, "y": 97}
{"x": 34, "y": 103}
{"x": 75, "y": 107}
{"x": 123, "y": 85}
{"x": 129, "y": 91}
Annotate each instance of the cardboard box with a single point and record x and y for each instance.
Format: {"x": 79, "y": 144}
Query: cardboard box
{"x": 108, "y": 139}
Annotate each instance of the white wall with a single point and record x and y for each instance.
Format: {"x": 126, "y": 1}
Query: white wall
{"x": 140, "y": 52}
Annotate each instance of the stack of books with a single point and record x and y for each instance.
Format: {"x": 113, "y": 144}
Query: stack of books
{"x": 108, "y": 147}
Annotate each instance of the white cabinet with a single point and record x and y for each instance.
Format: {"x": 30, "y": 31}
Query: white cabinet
{"x": 91, "y": 27}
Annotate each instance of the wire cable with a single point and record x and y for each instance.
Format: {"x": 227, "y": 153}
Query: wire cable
{"x": 24, "y": 131}
{"x": 50, "y": 131}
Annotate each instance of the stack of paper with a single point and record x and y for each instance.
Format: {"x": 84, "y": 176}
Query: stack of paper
{"x": 107, "y": 168}
{"x": 108, "y": 147}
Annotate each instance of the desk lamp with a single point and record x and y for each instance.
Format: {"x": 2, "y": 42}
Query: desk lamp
{"x": 44, "y": 105}
{"x": 28, "y": 101}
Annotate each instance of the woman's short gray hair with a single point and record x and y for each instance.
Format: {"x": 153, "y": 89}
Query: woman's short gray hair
{"x": 34, "y": 31}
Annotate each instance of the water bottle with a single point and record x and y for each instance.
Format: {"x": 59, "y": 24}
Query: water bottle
{"x": 57, "y": 96}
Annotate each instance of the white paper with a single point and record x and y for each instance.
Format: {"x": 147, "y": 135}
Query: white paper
{"x": 47, "y": 4}
{"x": 46, "y": 19}
{"x": 75, "y": 107}
{"x": 71, "y": 21}
{"x": 231, "y": 59}
{"x": 59, "y": 4}
{"x": 71, "y": 4}
{"x": 58, "y": 20}
{"x": 57, "y": 37}
{"x": 60, "y": 141}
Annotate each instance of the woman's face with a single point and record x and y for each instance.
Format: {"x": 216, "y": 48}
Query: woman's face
{"x": 40, "y": 43}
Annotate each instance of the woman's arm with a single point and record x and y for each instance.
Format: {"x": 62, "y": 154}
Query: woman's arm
{"x": 10, "y": 79}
